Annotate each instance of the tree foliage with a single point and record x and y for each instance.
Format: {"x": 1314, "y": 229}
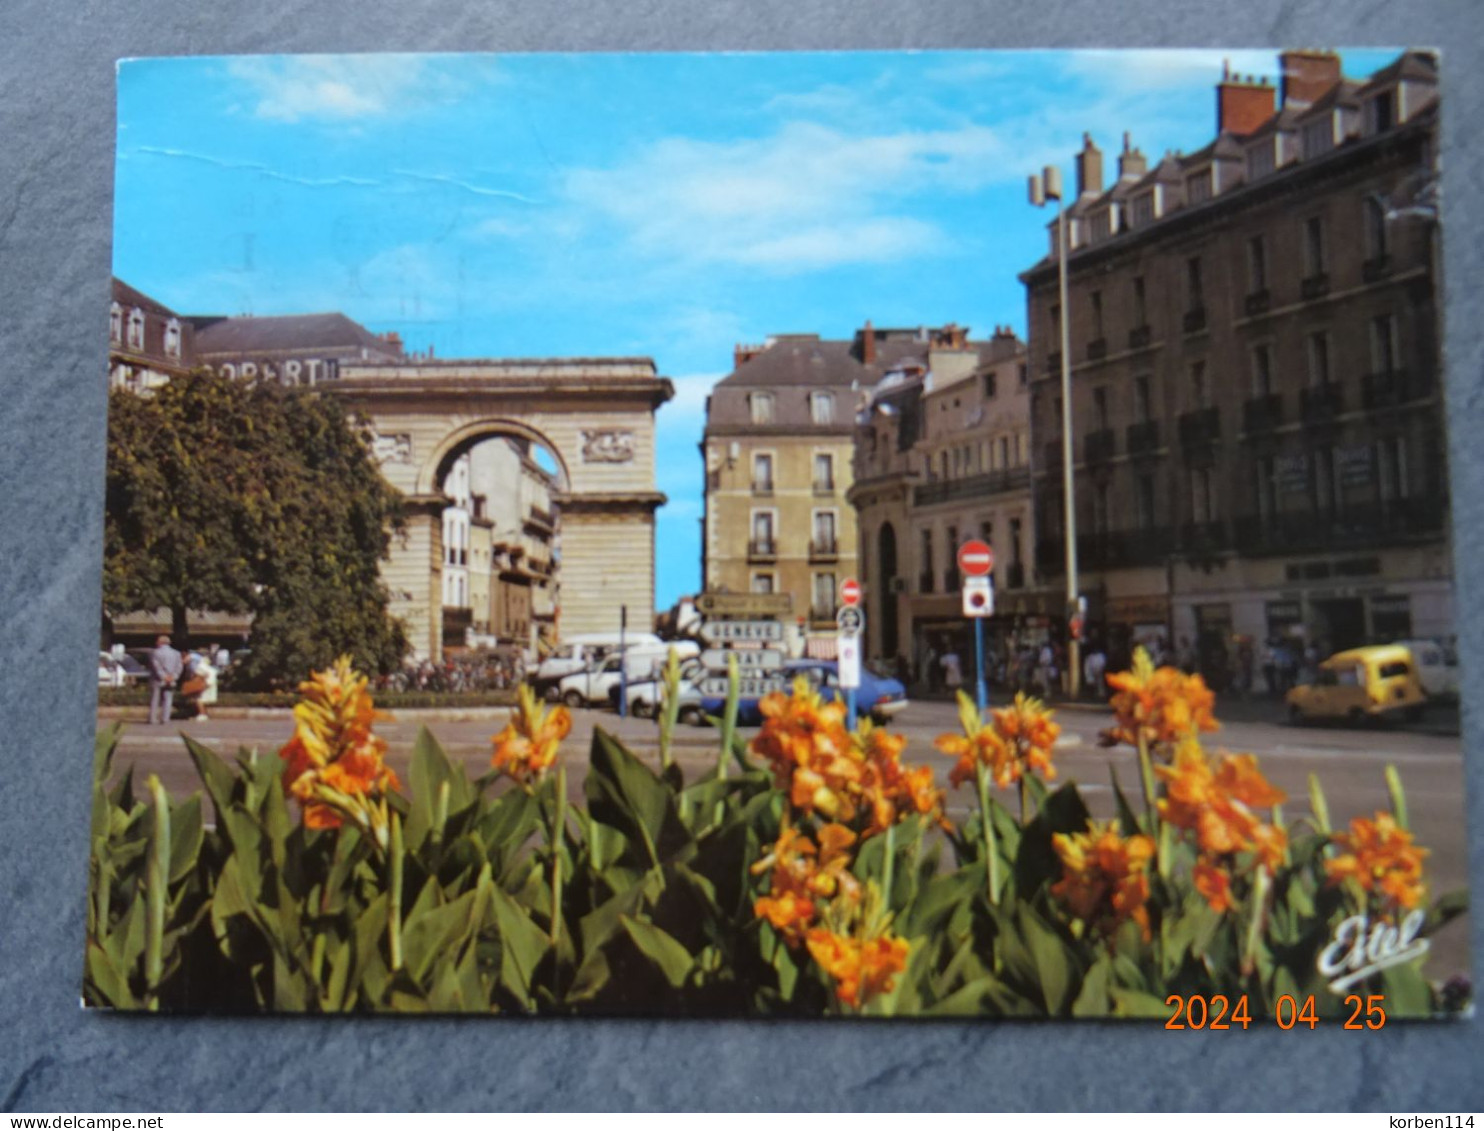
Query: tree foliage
{"x": 252, "y": 499}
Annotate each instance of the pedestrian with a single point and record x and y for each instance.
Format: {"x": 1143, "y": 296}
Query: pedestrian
{"x": 1270, "y": 666}
{"x": 1047, "y": 669}
{"x": 953, "y": 671}
{"x": 193, "y": 683}
{"x": 930, "y": 665}
{"x": 164, "y": 672}
{"x": 207, "y": 671}
{"x": 1093, "y": 669}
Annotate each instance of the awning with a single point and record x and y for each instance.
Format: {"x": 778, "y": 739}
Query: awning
{"x": 820, "y": 648}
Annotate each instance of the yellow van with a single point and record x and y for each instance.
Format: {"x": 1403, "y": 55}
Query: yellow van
{"x": 1359, "y": 684}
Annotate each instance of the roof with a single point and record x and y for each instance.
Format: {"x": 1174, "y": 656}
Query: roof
{"x": 800, "y": 360}
{"x": 1417, "y": 66}
{"x": 125, "y": 295}
{"x": 287, "y": 332}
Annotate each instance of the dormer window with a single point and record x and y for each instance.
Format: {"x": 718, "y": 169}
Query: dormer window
{"x": 136, "y": 329}
{"x": 1383, "y": 111}
{"x": 821, "y": 408}
{"x": 1319, "y": 136}
{"x": 115, "y": 323}
{"x": 1262, "y": 158}
{"x": 172, "y": 338}
{"x": 1143, "y": 211}
{"x": 761, "y": 405}
{"x": 1102, "y": 223}
{"x": 1198, "y": 186}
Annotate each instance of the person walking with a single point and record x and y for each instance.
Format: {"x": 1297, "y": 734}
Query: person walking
{"x": 164, "y": 671}
{"x": 205, "y": 670}
{"x": 953, "y": 671}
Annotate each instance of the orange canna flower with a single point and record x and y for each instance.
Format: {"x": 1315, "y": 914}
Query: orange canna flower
{"x": 861, "y": 968}
{"x": 1160, "y": 705}
{"x": 528, "y": 745}
{"x": 803, "y": 876}
{"x": 1105, "y": 877}
{"x": 1380, "y": 856}
{"x": 1213, "y": 882}
{"x": 1217, "y": 804}
{"x": 334, "y": 764}
{"x": 1018, "y": 740}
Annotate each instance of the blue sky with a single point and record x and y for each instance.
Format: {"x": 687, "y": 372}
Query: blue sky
{"x": 661, "y": 205}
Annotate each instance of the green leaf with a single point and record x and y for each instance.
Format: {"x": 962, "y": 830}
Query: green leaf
{"x": 522, "y": 946}
{"x": 625, "y": 793}
{"x": 106, "y": 982}
{"x": 432, "y": 937}
{"x": 1407, "y": 992}
{"x": 1056, "y": 966}
{"x": 186, "y": 836}
{"x": 215, "y": 774}
{"x": 1126, "y": 817}
{"x": 668, "y": 956}
{"x": 1445, "y": 908}
{"x": 985, "y": 994}
{"x": 1135, "y": 1003}
{"x": 430, "y": 770}
{"x": 1092, "y": 998}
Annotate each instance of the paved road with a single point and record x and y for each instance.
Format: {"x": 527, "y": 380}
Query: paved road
{"x": 1349, "y": 762}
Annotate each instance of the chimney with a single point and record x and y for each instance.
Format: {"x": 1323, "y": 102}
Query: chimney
{"x": 868, "y": 344}
{"x": 1131, "y": 162}
{"x": 741, "y": 355}
{"x": 1089, "y": 168}
{"x": 1307, "y": 76}
{"x": 1242, "y": 103}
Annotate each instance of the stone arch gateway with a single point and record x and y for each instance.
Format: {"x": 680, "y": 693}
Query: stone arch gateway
{"x": 595, "y": 415}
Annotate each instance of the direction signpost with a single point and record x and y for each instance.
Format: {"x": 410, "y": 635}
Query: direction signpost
{"x": 731, "y": 631}
{"x": 748, "y": 660}
{"x": 976, "y": 564}
{"x": 755, "y": 642}
{"x": 850, "y": 619}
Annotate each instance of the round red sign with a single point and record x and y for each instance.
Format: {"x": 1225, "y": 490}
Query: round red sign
{"x": 976, "y": 559}
{"x": 850, "y": 591}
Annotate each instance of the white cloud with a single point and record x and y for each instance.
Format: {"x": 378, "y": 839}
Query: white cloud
{"x": 1131, "y": 71}
{"x": 805, "y": 198}
{"x": 335, "y": 88}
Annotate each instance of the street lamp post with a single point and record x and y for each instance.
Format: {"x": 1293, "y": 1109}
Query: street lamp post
{"x": 1046, "y": 186}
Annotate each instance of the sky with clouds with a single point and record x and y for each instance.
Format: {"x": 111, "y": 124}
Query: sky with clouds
{"x": 662, "y": 205}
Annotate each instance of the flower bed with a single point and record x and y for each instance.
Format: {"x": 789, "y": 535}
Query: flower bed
{"x": 810, "y": 872}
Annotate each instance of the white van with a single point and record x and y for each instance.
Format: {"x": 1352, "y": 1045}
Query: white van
{"x": 581, "y": 652}
{"x": 1437, "y": 667}
{"x": 599, "y": 683}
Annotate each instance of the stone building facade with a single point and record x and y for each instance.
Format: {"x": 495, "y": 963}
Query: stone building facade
{"x": 942, "y": 457}
{"x": 1257, "y": 397}
{"x": 148, "y": 343}
{"x": 778, "y": 450}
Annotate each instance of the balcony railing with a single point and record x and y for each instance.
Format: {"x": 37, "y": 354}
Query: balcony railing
{"x": 824, "y": 486}
{"x": 1368, "y": 526}
{"x": 1204, "y": 537}
{"x": 973, "y": 486}
{"x": 1097, "y": 349}
{"x": 762, "y": 486}
{"x": 1377, "y": 267}
{"x": 1200, "y": 428}
{"x": 1315, "y": 286}
{"x": 1097, "y": 447}
{"x": 1262, "y": 414}
{"x": 822, "y": 615}
{"x": 762, "y": 550}
{"x": 1383, "y": 390}
{"x": 1194, "y": 320}
{"x": 824, "y": 550}
{"x": 1143, "y": 438}
{"x": 1320, "y": 404}
{"x": 1139, "y": 337}
{"x": 1112, "y": 549}
{"x": 1258, "y": 302}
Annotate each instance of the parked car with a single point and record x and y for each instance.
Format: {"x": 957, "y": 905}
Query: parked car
{"x": 878, "y": 696}
{"x": 644, "y": 695}
{"x": 1437, "y": 667}
{"x": 599, "y": 683}
{"x": 1361, "y": 684}
{"x": 587, "y": 651}
{"x": 120, "y": 671}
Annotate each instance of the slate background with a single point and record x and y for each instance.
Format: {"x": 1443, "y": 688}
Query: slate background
{"x": 56, "y": 150}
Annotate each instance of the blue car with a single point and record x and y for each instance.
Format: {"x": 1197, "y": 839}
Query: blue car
{"x": 878, "y": 696}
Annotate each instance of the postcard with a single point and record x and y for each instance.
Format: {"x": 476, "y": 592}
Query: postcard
{"x": 780, "y": 535}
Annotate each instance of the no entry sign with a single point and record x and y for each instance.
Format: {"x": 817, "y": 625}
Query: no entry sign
{"x": 975, "y": 559}
{"x": 850, "y": 591}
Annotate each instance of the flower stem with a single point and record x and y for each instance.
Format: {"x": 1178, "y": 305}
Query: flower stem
{"x": 554, "y": 841}
{"x": 156, "y": 894}
{"x": 1254, "y": 928}
{"x": 394, "y": 902}
{"x": 992, "y": 861}
{"x": 891, "y": 859}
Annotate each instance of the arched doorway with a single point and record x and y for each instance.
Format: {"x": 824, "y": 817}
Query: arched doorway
{"x": 886, "y": 556}
{"x": 596, "y": 419}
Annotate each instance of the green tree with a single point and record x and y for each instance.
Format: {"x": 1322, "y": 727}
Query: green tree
{"x": 252, "y": 499}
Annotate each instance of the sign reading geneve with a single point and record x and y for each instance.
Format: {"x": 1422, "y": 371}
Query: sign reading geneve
{"x": 726, "y": 631}
{"x": 748, "y": 660}
{"x": 748, "y": 687}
